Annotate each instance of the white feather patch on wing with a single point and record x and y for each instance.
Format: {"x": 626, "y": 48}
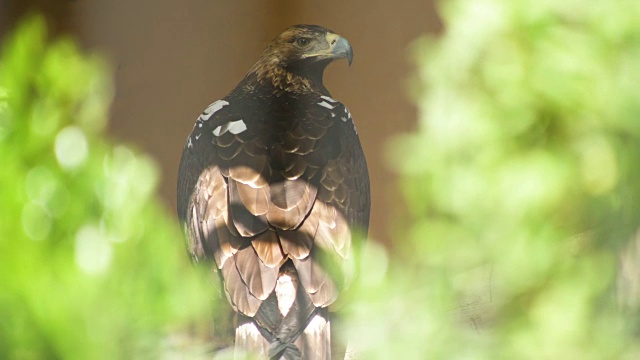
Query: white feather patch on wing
{"x": 325, "y": 104}
{"x": 234, "y": 127}
{"x": 212, "y": 109}
{"x": 219, "y": 130}
{"x": 329, "y": 99}
{"x": 349, "y": 118}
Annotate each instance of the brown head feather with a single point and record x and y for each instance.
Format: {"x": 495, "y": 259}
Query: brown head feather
{"x": 284, "y": 64}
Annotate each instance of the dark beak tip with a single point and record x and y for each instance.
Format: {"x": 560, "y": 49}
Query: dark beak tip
{"x": 343, "y": 49}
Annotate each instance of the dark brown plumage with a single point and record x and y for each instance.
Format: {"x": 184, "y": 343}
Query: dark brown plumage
{"x": 272, "y": 187}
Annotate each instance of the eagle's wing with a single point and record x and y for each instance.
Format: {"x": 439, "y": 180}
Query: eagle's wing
{"x": 261, "y": 188}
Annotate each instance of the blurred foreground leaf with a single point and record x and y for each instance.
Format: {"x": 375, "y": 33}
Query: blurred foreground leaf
{"x": 92, "y": 266}
{"x": 523, "y": 188}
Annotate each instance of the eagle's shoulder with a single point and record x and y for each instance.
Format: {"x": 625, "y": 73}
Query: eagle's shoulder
{"x": 335, "y": 110}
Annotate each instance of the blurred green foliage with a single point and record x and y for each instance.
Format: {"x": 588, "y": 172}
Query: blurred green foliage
{"x": 91, "y": 264}
{"x": 520, "y": 238}
{"x": 523, "y": 191}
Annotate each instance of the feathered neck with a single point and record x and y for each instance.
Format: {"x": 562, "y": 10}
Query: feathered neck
{"x": 293, "y": 77}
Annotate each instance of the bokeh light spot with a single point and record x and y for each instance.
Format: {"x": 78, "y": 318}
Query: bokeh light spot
{"x": 93, "y": 251}
{"x": 71, "y": 147}
{"x": 36, "y": 221}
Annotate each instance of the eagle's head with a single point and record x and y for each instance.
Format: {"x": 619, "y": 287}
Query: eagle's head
{"x": 295, "y": 60}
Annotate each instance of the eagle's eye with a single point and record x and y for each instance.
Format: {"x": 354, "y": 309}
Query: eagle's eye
{"x": 302, "y": 42}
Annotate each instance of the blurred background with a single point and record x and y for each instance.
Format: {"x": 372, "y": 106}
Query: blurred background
{"x": 503, "y": 142}
{"x": 171, "y": 61}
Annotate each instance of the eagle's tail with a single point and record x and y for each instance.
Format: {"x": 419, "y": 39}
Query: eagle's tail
{"x": 287, "y": 325}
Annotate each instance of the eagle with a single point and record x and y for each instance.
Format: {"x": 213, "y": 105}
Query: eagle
{"x": 273, "y": 194}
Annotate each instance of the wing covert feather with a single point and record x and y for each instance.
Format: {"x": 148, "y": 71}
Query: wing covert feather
{"x": 290, "y": 186}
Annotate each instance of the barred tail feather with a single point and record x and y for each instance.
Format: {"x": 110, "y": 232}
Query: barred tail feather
{"x": 249, "y": 340}
{"x": 315, "y": 341}
{"x": 287, "y": 326}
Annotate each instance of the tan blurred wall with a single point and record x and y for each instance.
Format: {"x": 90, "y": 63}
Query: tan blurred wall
{"x": 172, "y": 58}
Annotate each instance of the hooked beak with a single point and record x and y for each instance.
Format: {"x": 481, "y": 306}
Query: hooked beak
{"x": 339, "y": 47}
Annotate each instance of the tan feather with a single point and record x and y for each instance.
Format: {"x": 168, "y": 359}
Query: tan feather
{"x": 322, "y": 121}
{"x": 244, "y": 221}
{"x": 225, "y": 140}
{"x": 310, "y": 273}
{"x": 305, "y": 146}
{"x": 251, "y": 170}
{"x": 298, "y": 243}
{"x": 268, "y": 249}
{"x": 212, "y": 207}
{"x": 194, "y": 240}
{"x": 256, "y": 200}
{"x": 290, "y": 144}
{"x": 340, "y": 193}
{"x": 260, "y": 278}
{"x": 328, "y": 180}
{"x": 253, "y": 149}
{"x": 237, "y": 290}
{"x": 295, "y": 171}
{"x": 229, "y": 152}
{"x": 227, "y": 242}
{"x": 291, "y": 201}
{"x": 215, "y": 195}
{"x": 326, "y": 295}
{"x": 315, "y": 133}
{"x": 298, "y": 132}
{"x": 333, "y": 232}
